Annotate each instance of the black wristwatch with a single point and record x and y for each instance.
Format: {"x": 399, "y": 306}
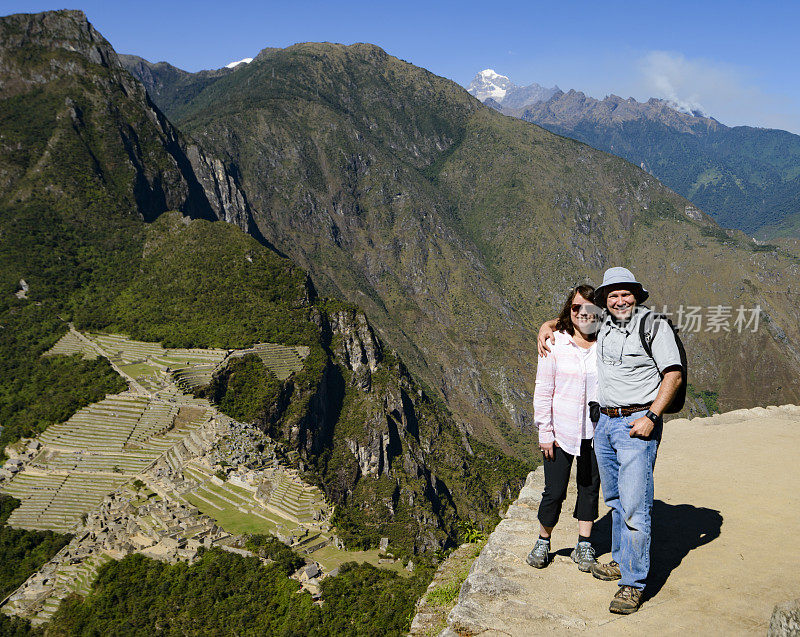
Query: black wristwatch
{"x": 657, "y": 420}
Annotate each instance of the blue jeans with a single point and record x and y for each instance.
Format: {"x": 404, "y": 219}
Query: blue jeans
{"x": 626, "y": 474}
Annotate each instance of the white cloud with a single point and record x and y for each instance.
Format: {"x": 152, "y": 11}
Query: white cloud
{"x": 671, "y": 76}
{"x": 723, "y": 91}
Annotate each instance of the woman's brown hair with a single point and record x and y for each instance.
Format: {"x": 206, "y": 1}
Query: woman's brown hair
{"x": 564, "y": 322}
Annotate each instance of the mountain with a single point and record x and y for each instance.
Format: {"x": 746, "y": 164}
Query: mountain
{"x": 87, "y": 160}
{"x": 488, "y": 84}
{"x": 458, "y": 229}
{"x": 746, "y": 178}
{"x": 168, "y": 85}
{"x": 339, "y": 198}
{"x": 116, "y": 221}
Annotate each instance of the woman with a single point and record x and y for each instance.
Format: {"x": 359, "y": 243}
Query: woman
{"x": 566, "y": 381}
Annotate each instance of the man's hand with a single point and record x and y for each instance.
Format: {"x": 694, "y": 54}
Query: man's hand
{"x": 545, "y": 334}
{"x": 641, "y": 428}
{"x": 548, "y": 450}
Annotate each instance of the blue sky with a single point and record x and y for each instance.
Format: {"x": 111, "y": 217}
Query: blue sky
{"x": 735, "y": 60}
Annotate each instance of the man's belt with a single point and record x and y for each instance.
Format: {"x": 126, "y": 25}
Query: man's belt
{"x": 619, "y": 412}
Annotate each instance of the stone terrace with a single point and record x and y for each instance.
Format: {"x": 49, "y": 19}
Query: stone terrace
{"x": 126, "y": 521}
{"x": 93, "y": 453}
{"x": 281, "y": 360}
{"x": 56, "y": 502}
{"x": 69, "y": 344}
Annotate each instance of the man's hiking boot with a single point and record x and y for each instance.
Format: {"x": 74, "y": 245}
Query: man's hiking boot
{"x": 583, "y": 556}
{"x": 626, "y": 601}
{"x": 606, "y": 572}
{"x": 539, "y": 557}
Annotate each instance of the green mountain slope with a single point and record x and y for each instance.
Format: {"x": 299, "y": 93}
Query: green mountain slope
{"x": 170, "y": 87}
{"x": 458, "y": 229}
{"x": 746, "y": 178}
{"x": 92, "y": 168}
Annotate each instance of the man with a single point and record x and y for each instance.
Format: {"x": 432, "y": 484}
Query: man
{"x": 634, "y": 389}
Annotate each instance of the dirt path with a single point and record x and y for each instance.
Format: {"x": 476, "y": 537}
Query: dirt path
{"x": 725, "y": 520}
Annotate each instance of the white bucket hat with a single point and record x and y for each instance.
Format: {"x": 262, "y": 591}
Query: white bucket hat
{"x": 619, "y": 278}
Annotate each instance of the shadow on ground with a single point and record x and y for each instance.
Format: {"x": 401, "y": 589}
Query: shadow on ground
{"x": 677, "y": 530}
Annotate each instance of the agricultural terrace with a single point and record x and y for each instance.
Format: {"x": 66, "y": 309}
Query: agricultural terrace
{"x": 234, "y": 507}
{"x": 57, "y": 501}
{"x": 70, "y": 344}
{"x": 281, "y": 360}
{"x": 288, "y": 513}
{"x": 93, "y": 453}
{"x": 75, "y": 578}
{"x": 147, "y": 362}
{"x": 189, "y": 368}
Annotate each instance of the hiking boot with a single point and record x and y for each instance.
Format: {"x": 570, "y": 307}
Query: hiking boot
{"x": 539, "y": 557}
{"x": 583, "y": 556}
{"x": 606, "y": 572}
{"x": 626, "y": 601}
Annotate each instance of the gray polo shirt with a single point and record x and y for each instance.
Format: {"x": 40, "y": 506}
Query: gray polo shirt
{"x": 626, "y": 375}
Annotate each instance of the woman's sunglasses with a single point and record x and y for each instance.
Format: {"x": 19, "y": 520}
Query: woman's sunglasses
{"x": 589, "y": 310}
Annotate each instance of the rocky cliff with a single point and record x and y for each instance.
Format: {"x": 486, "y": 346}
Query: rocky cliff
{"x": 58, "y": 66}
{"x": 392, "y": 460}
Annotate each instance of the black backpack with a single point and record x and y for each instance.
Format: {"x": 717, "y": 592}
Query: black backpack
{"x": 648, "y": 327}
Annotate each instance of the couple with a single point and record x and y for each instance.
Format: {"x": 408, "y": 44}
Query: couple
{"x": 603, "y": 353}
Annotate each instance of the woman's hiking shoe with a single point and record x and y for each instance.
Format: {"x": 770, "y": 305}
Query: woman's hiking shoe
{"x": 626, "y": 601}
{"x": 583, "y": 556}
{"x": 539, "y": 557}
{"x": 606, "y": 572}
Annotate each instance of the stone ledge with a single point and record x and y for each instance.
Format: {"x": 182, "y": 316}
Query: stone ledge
{"x": 699, "y": 584}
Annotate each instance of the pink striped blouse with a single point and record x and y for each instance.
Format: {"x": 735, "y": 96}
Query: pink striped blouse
{"x": 566, "y": 381}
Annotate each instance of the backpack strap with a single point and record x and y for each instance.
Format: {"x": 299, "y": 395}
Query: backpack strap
{"x": 647, "y": 337}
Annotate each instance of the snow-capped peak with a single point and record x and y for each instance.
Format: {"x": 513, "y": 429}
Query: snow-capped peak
{"x": 491, "y": 74}
{"x": 242, "y": 61}
{"x": 489, "y": 83}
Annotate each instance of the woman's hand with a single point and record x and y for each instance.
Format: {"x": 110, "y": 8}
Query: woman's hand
{"x": 548, "y": 450}
{"x": 545, "y": 334}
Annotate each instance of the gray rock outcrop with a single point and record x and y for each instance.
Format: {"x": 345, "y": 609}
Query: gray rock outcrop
{"x": 220, "y": 188}
{"x": 708, "y": 574}
{"x": 785, "y": 620}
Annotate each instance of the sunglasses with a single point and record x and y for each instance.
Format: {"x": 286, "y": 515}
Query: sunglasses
{"x": 587, "y": 309}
